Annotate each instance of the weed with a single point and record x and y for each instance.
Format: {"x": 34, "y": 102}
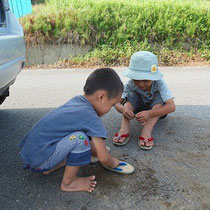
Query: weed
{"x": 117, "y": 28}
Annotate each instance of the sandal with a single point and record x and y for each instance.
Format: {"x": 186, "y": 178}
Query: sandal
{"x": 122, "y": 168}
{"x": 117, "y": 136}
{"x": 145, "y": 147}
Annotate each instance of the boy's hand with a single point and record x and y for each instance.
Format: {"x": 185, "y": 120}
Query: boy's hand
{"x": 143, "y": 117}
{"x": 128, "y": 113}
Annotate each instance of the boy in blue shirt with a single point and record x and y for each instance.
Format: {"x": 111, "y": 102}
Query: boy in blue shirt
{"x": 68, "y": 134}
{"x": 146, "y": 98}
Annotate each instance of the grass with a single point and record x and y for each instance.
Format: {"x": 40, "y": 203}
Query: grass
{"x": 117, "y": 28}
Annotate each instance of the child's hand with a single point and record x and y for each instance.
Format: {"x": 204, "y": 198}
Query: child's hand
{"x": 143, "y": 117}
{"x": 128, "y": 113}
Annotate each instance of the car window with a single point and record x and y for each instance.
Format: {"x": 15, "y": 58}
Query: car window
{"x": 2, "y": 15}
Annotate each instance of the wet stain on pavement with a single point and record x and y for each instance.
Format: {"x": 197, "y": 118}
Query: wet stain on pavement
{"x": 143, "y": 182}
{"x": 148, "y": 185}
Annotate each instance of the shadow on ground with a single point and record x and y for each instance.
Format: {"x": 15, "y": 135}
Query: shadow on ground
{"x": 173, "y": 175}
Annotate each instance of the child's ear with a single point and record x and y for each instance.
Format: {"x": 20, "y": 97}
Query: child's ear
{"x": 102, "y": 94}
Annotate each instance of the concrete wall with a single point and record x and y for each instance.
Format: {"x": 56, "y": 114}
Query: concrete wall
{"x": 49, "y": 54}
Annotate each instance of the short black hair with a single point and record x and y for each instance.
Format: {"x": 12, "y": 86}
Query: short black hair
{"x": 104, "y": 79}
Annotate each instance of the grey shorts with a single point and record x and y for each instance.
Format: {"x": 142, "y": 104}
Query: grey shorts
{"x": 74, "y": 149}
{"x": 139, "y": 105}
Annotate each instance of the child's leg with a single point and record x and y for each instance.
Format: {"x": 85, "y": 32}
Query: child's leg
{"x": 148, "y": 127}
{"x": 125, "y": 125}
{"x": 58, "y": 158}
{"x": 75, "y": 145}
{"x": 71, "y": 182}
{"x": 135, "y": 104}
{"x": 73, "y": 150}
{"x": 80, "y": 155}
{"x": 56, "y": 167}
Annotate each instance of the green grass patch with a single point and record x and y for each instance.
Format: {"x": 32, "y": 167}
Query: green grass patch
{"x": 117, "y": 28}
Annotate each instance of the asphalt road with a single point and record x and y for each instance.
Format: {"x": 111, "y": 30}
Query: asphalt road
{"x": 175, "y": 174}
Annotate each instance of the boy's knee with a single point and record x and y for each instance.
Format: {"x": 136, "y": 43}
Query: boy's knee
{"x": 136, "y": 101}
{"x": 80, "y": 154}
{"x": 129, "y": 105}
{"x": 80, "y": 141}
{"x": 134, "y": 98}
{"x": 79, "y": 135}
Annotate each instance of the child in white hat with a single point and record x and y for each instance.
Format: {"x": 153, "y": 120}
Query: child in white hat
{"x": 146, "y": 98}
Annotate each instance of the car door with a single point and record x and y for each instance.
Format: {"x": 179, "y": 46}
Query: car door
{"x": 12, "y": 47}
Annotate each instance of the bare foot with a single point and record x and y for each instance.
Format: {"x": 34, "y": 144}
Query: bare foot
{"x": 80, "y": 184}
{"x": 57, "y": 167}
{"x": 148, "y": 144}
{"x": 119, "y": 138}
{"x": 146, "y": 136}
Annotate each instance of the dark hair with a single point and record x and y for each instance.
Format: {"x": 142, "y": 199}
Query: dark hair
{"x": 104, "y": 79}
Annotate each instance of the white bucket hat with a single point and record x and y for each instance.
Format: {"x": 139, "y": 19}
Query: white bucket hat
{"x": 143, "y": 66}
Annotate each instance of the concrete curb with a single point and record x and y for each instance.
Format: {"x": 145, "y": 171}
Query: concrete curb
{"x": 49, "y": 54}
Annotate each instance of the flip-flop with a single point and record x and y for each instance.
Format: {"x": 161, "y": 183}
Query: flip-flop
{"x": 126, "y": 136}
{"x": 122, "y": 168}
{"x": 145, "y": 147}
{"x": 94, "y": 159}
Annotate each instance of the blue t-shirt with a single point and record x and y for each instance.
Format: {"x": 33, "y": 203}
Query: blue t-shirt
{"x": 76, "y": 115}
{"x": 157, "y": 86}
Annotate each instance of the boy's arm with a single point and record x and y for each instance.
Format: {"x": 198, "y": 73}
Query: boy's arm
{"x": 102, "y": 153}
{"x": 167, "y": 108}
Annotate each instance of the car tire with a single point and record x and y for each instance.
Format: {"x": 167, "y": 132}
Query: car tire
{"x": 3, "y": 97}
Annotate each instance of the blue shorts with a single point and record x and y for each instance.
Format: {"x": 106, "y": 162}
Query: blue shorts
{"x": 74, "y": 149}
{"x": 139, "y": 105}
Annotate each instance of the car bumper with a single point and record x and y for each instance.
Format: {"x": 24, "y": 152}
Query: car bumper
{"x": 9, "y": 72}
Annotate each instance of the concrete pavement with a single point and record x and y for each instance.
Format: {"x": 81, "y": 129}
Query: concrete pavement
{"x": 175, "y": 174}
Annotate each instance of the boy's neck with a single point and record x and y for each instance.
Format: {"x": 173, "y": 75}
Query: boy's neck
{"x": 92, "y": 99}
{"x": 89, "y": 98}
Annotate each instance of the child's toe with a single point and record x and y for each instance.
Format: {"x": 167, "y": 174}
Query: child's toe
{"x": 149, "y": 144}
{"x": 141, "y": 143}
{"x": 90, "y": 189}
{"x": 92, "y": 178}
